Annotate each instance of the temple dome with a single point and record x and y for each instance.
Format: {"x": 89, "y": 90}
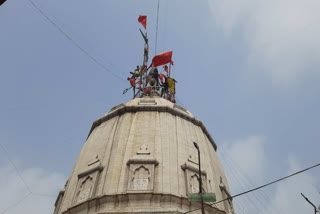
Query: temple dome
{"x": 140, "y": 158}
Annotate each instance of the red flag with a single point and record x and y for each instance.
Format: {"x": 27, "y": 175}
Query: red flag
{"x": 162, "y": 59}
{"x": 143, "y": 21}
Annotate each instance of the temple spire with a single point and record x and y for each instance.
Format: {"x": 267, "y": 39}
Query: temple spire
{"x": 147, "y": 80}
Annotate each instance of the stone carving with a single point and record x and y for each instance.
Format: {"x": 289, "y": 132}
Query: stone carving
{"x": 140, "y": 183}
{"x": 141, "y": 170}
{"x": 191, "y": 178}
{"x": 95, "y": 160}
{"x": 141, "y": 179}
{"x": 194, "y": 183}
{"x": 143, "y": 150}
{"x": 85, "y": 189}
{"x": 87, "y": 183}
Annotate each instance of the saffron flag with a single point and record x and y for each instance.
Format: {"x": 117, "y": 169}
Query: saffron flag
{"x": 143, "y": 21}
{"x": 162, "y": 59}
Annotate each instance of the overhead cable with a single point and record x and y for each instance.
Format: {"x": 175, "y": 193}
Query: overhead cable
{"x": 20, "y": 175}
{"x": 73, "y": 42}
{"x": 155, "y": 49}
{"x": 246, "y": 182}
{"x": 15, "y": 167}
{"x": 259, "y": 187}
{"x": 15, "y": 204}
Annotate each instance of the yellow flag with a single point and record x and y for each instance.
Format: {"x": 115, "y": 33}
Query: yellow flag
{"x": 171, "y": 85}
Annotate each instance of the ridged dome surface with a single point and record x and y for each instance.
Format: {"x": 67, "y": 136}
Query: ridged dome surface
{"x": 140, "y": 158}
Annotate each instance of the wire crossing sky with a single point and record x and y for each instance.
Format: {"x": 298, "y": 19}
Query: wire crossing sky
{"x": 155, "y": 49}
{"x": 259, "y": 187}
{"x": 75, "y": 43}
{"x": 249, "y": 70}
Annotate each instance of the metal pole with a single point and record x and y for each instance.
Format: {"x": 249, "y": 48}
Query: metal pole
{"x": 315, "y": 208}
{"x": 200, "y": 179}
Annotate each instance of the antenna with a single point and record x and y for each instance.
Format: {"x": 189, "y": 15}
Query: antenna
{"x": 315, "y": 208}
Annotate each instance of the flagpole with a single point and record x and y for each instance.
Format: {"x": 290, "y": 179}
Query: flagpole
{"x": 146, "y": 59}
{"x": 169, "y": 69}
{"x": 143, "y": 75}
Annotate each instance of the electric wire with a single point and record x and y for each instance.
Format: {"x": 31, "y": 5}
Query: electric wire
{"x": 248, "y": 200}
{"x": 15, "y": 204}
{"x": 179, "y": 100}
{"x": 30, "y": 192}
{"x": 106, "y": 69}
{"x": 165, "y": 26}
{"x": 234, "y": 176}
{"x": 260, "y": 195}
{"x": 155, "y": 49}
{"x": 20, "y": 175}
{"x": 15, "y": 168}
{"x": 258, "y": 200}
{"x": 73, "y": 41}
{"x": 43, "y": 195}
{"x": 277, "y": 208}
{"x": 259, "y": 187}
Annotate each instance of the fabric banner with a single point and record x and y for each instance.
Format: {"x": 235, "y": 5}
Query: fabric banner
{"x": 143, "y": 21}
{"x": 162, "y": 59}
{"x": 171, "y": 85}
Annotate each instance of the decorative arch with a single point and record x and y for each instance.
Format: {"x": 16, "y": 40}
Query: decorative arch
{"x": 85, "y": 189}
{"x": 141, "y": 178}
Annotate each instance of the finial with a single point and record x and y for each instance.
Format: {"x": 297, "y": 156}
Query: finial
{"x": 147, "y": 80}
{"x": 143, "y": 150}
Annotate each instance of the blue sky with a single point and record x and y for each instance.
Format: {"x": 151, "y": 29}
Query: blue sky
{"x": 248, "y": 69}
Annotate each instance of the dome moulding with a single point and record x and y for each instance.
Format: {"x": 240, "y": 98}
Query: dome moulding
{"x": 140, "y": 158}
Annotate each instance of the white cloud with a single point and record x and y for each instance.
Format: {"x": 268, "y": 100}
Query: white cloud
{"x": 288, "y": 192}
{"x": 283, "y": 36}
{"x": 40, "y": 181}
{"x": 248, "y": 165}
{"x": 247, "y": 155}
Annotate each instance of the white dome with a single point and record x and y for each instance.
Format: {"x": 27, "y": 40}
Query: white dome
{"x": 140, "y": 158}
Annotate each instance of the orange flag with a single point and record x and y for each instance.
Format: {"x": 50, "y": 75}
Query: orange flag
{"x": 162, "y": 59}
{"x": 143, "y": 21}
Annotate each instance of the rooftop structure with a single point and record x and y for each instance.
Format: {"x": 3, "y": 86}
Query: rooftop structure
{"x": 140, "y": 158}
{"x": 144, "y": 156}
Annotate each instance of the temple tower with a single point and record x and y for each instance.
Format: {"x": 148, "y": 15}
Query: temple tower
{"x": 140, "y": 158}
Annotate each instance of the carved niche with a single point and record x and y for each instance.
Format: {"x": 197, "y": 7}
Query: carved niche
{"x": 87, "y": 181}
{"x": 141, "y": 171}
{"x": 141, "y": 179}
{"x": 191, "y": 173}
{"x": 85, "y": 189}
{"x": 225, "y": 195}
